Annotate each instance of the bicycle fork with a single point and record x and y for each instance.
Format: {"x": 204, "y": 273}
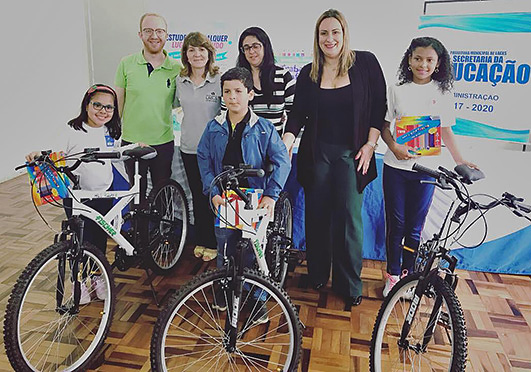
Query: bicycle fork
{"x": 73, "y": 256}
{"x": 233, "y": 309}
{"x": 435, "y": 315}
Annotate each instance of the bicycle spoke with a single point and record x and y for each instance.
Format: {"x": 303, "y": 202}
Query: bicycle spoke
{"x": 191, "y": 320}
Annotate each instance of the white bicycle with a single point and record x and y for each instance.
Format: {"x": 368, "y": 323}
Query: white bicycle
{"x": 47, "y": 326}
{"x": 232, "y": 318}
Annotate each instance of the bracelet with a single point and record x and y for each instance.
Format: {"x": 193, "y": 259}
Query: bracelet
{"x": 373, "y": 145}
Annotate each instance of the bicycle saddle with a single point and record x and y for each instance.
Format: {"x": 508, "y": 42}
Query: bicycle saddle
{"x": 469, "y": 174}
{"x": 144, "y": 153}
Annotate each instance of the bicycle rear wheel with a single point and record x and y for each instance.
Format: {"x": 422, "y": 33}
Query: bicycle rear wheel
{"x": 168, "y": 226}
{"x": 277, "y": 243}
{"x": 42, "y": 330}
{"x": 189, "y": 333}
{"x": 447, "y": 348}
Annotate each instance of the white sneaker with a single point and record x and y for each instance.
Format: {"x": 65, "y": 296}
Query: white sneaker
{"x": 84, "y": 298}
{"x": 408, "y": 295}
{"x": 98, "y": 283}
{"x": 390, "y": 281}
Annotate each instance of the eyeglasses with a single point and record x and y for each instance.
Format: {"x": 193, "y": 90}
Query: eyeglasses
{"x": 149, "y": 31}
{"x": 98, "y": 106}
{"x": 254, "y": 46}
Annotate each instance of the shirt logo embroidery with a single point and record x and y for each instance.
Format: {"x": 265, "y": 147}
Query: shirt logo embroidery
{"x": 211, "y": 97}
{"x": 109, "y": 141}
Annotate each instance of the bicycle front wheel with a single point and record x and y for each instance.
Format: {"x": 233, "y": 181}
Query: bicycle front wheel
{"x": 168, "y": 226}
{"x": 277, "y": 244}
{"x": 447, "y": 348}
{"x": 43, "y": 330}
{"x": 190, "y": 332}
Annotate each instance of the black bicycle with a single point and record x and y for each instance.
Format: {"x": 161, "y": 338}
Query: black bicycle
{"x": 235, "y": 318}
{"x": 420, "y": 325}
{"x": 61, "y": 307}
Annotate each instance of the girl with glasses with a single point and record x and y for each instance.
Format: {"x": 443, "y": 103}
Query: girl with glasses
{"x": 98, "y": 125}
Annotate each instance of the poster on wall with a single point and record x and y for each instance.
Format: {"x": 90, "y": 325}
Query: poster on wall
{"x": 489, "y": 50}
{"x": 221, "y": 40}
{"x": 293, "y": 60}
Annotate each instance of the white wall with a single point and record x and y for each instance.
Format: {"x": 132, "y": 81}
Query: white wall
{"x": 113, "y": 33}
{"x": 44, "y": 75}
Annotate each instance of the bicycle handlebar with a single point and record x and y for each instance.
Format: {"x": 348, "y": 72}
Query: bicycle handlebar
{"x": 89, "y": 155}
{"x": 107, "y": 155}
{"x": 430, "y": 172}
{"x": 447, "y": 179}
{"x": 253, "y": 173}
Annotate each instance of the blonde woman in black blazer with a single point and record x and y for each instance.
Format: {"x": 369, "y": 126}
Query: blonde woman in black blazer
{"x": 340, "y": 101}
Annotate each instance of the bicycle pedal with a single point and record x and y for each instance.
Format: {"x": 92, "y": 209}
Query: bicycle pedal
{"x": 444, "y": 320}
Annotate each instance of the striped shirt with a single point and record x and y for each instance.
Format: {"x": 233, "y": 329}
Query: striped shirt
{"x": 275, "y": 107}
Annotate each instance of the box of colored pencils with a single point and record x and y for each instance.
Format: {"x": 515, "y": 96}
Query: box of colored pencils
{"x": 421, "y": 133}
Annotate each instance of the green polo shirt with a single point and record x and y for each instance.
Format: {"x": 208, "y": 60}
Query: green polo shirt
{"x": 146, "y": 115}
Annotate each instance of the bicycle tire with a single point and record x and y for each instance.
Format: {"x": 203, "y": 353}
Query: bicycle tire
{"x": 168, "y": 230}
{"x": 277, "y": 260}
{"x": 448, "y": 343}
{"x": 190, "y": 310}
{"x": 36, "y": 336}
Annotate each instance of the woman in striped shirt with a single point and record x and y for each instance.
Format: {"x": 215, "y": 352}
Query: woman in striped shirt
{"x": 274, "y": 86}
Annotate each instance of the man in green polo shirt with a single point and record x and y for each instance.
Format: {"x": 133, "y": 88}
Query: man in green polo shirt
{"x": 145, "y": 87}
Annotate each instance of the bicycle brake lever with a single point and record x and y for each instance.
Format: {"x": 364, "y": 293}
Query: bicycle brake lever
{"x": 442, "y": 184}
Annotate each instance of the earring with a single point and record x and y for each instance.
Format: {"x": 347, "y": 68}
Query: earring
{"x": 409, "y": 68}
{"x": 436, "y": 69}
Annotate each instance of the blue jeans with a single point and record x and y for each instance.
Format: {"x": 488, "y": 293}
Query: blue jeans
{"x": 407, "y": 202}
{"x": 227, "y": 239}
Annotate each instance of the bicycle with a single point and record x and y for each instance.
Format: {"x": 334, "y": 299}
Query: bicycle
{"x": 47, "y": 326}
{"x": 420, "y": 325}
{"x": 260, "y": 330}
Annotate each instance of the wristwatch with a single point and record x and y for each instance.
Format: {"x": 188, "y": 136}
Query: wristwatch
{"x": 373, "y": 145}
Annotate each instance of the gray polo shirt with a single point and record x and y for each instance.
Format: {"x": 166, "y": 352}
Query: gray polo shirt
{"x": 200, "y": 104}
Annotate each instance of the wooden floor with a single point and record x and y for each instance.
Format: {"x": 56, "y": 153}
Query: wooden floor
{"x": 497, "y": 307}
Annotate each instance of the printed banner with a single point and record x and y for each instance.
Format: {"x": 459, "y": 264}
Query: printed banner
{"x": 225, "y": 57}
{"x": 491, "y": 59}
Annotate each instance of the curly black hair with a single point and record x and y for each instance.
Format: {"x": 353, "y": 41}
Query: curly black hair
{"x": 443, "y": 76}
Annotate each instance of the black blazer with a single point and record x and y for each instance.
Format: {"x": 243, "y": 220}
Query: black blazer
{"x": 369, "y": 106}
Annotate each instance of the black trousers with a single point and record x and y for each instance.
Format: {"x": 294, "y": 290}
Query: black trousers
{"x": 334, "y": 230}
{"x": 92, "y": 233}
{"x": 203, "y": 216}
{"x": 159, "y": 166}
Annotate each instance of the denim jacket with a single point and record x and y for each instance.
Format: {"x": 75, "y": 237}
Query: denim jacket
{"x": 259, "y": 139}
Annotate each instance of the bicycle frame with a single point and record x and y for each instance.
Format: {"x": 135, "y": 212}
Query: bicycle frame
{"x": 258, "y": 237}
{"x": 111, "y": 222}
{"x": 438, "y": 253}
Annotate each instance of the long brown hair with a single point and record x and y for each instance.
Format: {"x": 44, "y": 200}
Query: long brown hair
{"x": 346, "y": 56}
{"x": 197, "y": 39}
